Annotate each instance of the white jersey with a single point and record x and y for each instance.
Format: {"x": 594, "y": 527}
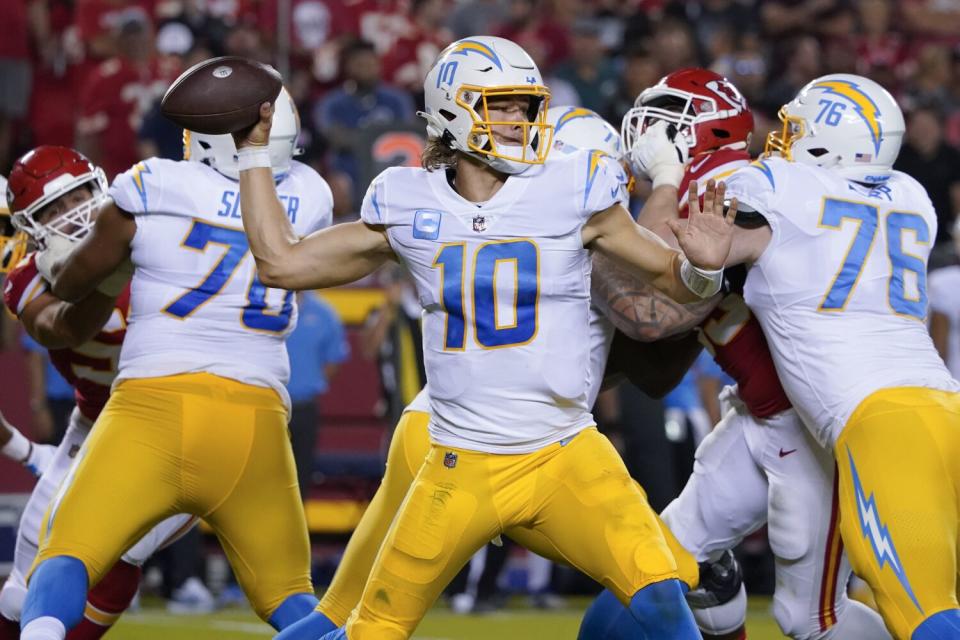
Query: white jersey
{"x": 945, "y": 299}
{"x": 505, "y": 291}
{"x": 196, "y": 302}
{"x": 841, "y": 288}
{"x": 601, "y": 336}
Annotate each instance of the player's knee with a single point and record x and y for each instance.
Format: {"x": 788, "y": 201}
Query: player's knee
{"x": 939, "y": 626}
{"x": 58, "y": 589}
{"x": 295, "y": 607}
{"x": 795, "y": 618}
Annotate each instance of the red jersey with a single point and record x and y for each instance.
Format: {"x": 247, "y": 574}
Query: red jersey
{"x": 731, "y": 332}
{"x": 113, "y": 100}
{"x": 90, "y": 368}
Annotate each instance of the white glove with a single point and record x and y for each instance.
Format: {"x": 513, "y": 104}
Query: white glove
{"x": 56, "y": 249}
{"x": 658, "y": 157}
{"x": 114, "y": 284}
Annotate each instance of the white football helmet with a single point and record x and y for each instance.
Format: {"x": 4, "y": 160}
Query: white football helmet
{"x": 843, "y": 122}
{"x": 579, "y": 128}
{"x": 220, "y": 152}
{"x": 467, "y": 74}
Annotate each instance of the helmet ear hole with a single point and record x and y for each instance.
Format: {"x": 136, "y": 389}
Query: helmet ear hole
{"x": 447, "y": 115}
{"x": 819, "y": 151}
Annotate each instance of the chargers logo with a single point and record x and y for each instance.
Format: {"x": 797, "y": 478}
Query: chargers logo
{"x": 864, "y": 105}
{"x": 138, "y": 170}
{"x": 878, "y": 534}
{"x": 572, "y": 114}
{"x": 593, "y": 168}
{"x": 764, "y": 168}
{"x": 474, "y": 46}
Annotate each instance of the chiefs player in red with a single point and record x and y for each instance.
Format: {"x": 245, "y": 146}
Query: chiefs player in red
{"x": 54, "y": 194}
{"x": 760, "y": 465}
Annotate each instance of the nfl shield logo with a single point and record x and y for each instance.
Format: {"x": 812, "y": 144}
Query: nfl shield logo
{"x": 479, "y": 224}
{"x": 449, "y": 460}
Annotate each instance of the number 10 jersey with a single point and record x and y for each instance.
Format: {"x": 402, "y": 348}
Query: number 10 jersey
{"x": 505, "y": 291}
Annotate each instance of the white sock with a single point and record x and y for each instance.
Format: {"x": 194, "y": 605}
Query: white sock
{"x": 44, "y": 628}
{"x": 859, "y": 622}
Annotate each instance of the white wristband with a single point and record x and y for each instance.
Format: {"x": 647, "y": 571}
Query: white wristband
{"x": 253, "y": 158}
{"x": 19, "y": 447}
{"x": 702, "y": 282}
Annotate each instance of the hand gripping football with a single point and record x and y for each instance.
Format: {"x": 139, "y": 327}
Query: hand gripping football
{"x": 221, "y": 95}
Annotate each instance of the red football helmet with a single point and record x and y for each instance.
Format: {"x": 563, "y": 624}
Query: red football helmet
{"x": 709, "y": 112}
{"x": 42, "y": 176}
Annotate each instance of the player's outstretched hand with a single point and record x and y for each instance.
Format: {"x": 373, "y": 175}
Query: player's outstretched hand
{"x": 257, "y": 135}
{"x": 705, "y": 236}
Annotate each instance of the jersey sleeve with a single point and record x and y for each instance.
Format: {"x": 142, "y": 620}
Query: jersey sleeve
{"x": 139, "y": 189}
{"x": 319, "y": 196}
{"x": 754, "y": 186}
{"x": 23, "y": 285}
{"x": 374, "y": 208}
{"x": 604, "y": 182}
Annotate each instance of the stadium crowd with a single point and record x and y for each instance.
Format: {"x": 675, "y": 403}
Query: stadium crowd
{"x": 91, "y": 72}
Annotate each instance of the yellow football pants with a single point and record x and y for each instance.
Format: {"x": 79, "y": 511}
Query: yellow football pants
{"x": 578, "y": 496}
{"x": 899, "y": 471}
{"x": 198, "y": 444}
{"x": 408, "y": 448}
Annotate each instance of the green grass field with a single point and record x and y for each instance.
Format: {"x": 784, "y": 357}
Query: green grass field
{"x": 440, "y": 624}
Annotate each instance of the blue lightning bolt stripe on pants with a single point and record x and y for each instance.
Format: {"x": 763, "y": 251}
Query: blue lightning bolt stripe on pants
{"x": 899, "y": 473}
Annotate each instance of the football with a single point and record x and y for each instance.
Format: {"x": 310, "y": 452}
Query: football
{"x": 221, "y": 95}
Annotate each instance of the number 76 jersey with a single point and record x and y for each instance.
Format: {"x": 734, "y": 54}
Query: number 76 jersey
{"x": 841, "y": 290}
{"x": 196, "y": 303}
{"x": 505, "y": 291}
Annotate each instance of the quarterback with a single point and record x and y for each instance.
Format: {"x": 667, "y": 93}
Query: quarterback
{"x": 575, "y": 129}
{"x": 196, "y": 422}
{"x": 498, "y": 243}
{"x": 838, "y": 282}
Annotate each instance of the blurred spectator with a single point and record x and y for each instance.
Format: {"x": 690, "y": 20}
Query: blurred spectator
{"x": 99, "y": 20}
{"x": 159, "y": 136}
{"x": 674, "y": 46}
{"x": 802, "y": 57}
{"x": 15, "y": 75}
{"x": 934, "y": 163}
{"x": 718, "y": 18}
{"x": 247, "y": 41}
{"x": 932, "y": 18}
{"x": 930, "y": 82}
{"x": 363, "y": 99}
{"x": 530, "y": 24}
{"x": 588, "y": 70}
{"x": 787, "y": 17}
{"x": 944, "y": 287}
{"x": 473, "y": 17}
{"x": 114, "y": 98}
{"x": 51, "y": 397}
{"x": 412, "y": 55}
{"x": 881, "y": 50}
{"x": 640, "y": 70}
{"x": 746, "y": 67}
{"x": 317, "y": 346}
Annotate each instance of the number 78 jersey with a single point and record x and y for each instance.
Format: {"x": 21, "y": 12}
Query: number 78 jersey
{"x": 505, "y": 291}
{"x": 841, "y": 290}
{"x": 196, "y": 302}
